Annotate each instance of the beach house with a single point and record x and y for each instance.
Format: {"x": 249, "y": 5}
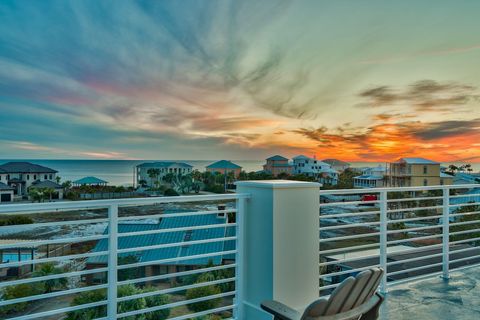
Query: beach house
{"x": 143, "y": 173}
{"x": 370, "y": 178}
{"x": 337, "y": 165}
{"x": 20, "y": 176}
{"x": 278, "y": 164}
{"x": 317, "y": 169}
{"x": 415, "y": 172}
{"x": 225, "y": 167}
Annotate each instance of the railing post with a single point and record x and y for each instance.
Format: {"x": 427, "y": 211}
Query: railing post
{"x": 446, "y": 233}
{"x": 112, "y": 261}
{"x": 240, "y": 258}
{"x": 383, "y": 239}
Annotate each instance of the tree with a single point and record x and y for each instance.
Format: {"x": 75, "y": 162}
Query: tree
{"x": 58, "y": 179}
{"x": 36, "y": 194}
{"x": 474, "y": 217}
{"x": 49, "y": 192}
{"x": 153, "y": 174}
{"x": 155, "y": 301}
{"x": 67, "y": 185}
{"x": 204, "y": 291}
{"x": 129, "y": 273}
{"x": 49, "y": 269}
{"x": 19, "y": 291}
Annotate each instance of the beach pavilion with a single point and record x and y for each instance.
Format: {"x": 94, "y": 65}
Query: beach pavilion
{"x": 89, "y": 181}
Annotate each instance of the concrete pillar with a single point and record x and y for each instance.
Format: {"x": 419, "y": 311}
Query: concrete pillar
{"x": 281, "y": 247}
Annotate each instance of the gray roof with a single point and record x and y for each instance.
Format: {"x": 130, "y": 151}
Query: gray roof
{"x": 336, "y": 162}
{"x": 277, "y": 158}
{"x": 416, "y": 161}
{"x": 46, "y": 184}
{"x": 3, "y": 186}
{"x": 223, "y": 164}
{"x": 24, "y": 167}
{"x": 164, "y": 164}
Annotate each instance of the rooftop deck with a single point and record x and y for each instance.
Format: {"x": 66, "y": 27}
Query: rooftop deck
{"x": 435, "y": 298}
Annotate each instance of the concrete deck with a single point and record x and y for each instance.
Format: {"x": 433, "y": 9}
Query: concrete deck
{"x": 435, "y": 298}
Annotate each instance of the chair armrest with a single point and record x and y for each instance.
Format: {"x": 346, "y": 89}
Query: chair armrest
{"x": 280, "y": 311}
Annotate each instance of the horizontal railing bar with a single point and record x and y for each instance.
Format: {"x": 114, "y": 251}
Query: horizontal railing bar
{"x": 464, "y": 204}
{"x": 452, "y": 224}
{"x": 344, "y": 215}
{"x": 414, "y": 219}
{"x": 414, "y": 269}
{"x": 466, "y": 195}
{"x": 55, "y": 206}
{"x": 469, "y": 266}
{"x": 414, "y": 259}
{"x": 146, "y": 263}
{"x": 211, "y": 226}
{"x": 330, "y": 286}
{"x": 415, "y": 239}
{"x": 465, "y": 240}
{"x": 464, "y": 259}
{"x": 53, "y": 259}
{"x": 176, "y": 215}
{"x": 347, "y": 203}
{"x": 203, "y": 313}
{"x": 397, "y": 189}
{"x": 174, "y": 289}
{"x": 414, "y": 209}
{"x": 177, "y": 274}
{"x": 355, "y": 236}
{"x": 352, "y": 225}
{"x": 452, "y": 252}
{"x": 423, "y": 248}
{"x": 415, "y": 229}
{"x": 324, "y": 264}
{"x": 326, "y": 275}
{"x": 175, "y": 304}
{"x": 36, "y": 243}
{"x": 464, "y": 232}
{"x": 51, "y": 277}
{"x": 346, "y": 250}
{"x": 414, "y": 199}
{"x": 62, "y": 310}
{"x": 176, "y": 244}
{"x": 464, "y": 214}
{"x": 57, "y": 223}
{"x": 52, "y": 294}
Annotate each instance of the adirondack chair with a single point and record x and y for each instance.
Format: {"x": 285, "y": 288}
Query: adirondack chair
{"x": 355, "y": 298}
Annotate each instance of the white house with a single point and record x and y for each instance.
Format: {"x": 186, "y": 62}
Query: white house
{"x": 22, "y": 175}
{"x": 370, "y": 178}
{"x": 164, "y": 167}
{"x": 312, "y": 167}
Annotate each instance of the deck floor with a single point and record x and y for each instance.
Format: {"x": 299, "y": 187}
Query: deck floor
{"x": 435, "y": 298}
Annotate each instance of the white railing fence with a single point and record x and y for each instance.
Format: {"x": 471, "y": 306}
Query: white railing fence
{"x": 152, "y": 258}
{"x": 410, "y": 232}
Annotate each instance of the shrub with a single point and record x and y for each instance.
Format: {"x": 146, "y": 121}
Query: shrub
{"x": 215, "y": 188}
{"x": 15, "y": 220}
{"x": 204, "y": 291}
{"x": 19, "y": 291}
{"x": 154, "y": 301}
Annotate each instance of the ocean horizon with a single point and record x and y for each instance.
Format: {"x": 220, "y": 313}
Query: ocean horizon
{"x": 120, "y": 172}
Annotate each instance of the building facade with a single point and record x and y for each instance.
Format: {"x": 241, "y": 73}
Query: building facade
{"x": 20, "y": 176}
{"x": 371, "y": 178}
{"x": 337, "y": 165}
{"x": 314, "y": 168}
{"x": 224, "y": 167}
{"x": 144, "y": 176}
{"x": 416, "y": 172}
{"x": 277, "y": 164}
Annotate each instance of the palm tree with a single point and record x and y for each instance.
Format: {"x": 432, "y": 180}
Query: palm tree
{"x": 49, "y": 192}
{"x": 153, "y": 174}
{"x": 58, "y": 179}
{"x": 50, "y": 285}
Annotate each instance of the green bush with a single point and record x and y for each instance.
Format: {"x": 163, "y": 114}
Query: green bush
{"x": 215, "y": 188}
{"x": 154, "y": 301}
{"x": 19, "y": 291}
{"x": 15, "y": 220}
{"x": 203, "y": 292}
{"x": 170, "y": 193}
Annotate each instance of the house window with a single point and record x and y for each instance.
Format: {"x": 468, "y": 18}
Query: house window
{"x": 28, "y": 177}
{"x": 45, "y": 177}
{"x": 425, "y": 182}
{"x": 34, "y": 177}
{"x": 50, "y": 177}
{"x": 425, "y": 169}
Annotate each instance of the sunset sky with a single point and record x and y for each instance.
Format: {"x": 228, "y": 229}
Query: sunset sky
{"x": 354, "y": 80}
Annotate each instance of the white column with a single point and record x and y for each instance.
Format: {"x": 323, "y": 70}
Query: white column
{"x": 281, "y": 244}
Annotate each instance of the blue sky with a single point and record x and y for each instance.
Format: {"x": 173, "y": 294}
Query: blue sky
{"x": 358, "y": 80}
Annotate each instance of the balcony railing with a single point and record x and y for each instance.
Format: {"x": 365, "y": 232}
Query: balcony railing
{"x": 410, "y": 232}
{"x": 120, "y": 258}
{"x": 220, "y": 255}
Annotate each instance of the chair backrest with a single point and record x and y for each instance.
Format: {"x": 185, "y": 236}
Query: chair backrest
{"x": 350, "y": 294}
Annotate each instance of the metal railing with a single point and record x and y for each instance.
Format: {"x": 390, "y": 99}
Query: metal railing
{"x": 410, "y": 232}
{"x": 179, "y": 256}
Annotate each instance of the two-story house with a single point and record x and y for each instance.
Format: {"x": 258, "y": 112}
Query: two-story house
{"x": 20, "y": 176}
{"x": 415, "y": 172}
{"x": 143, "y": 174}
{"x": 277, "y": 164}
{"x": 371, "y": 178}
{"x": 317, "y": 169}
